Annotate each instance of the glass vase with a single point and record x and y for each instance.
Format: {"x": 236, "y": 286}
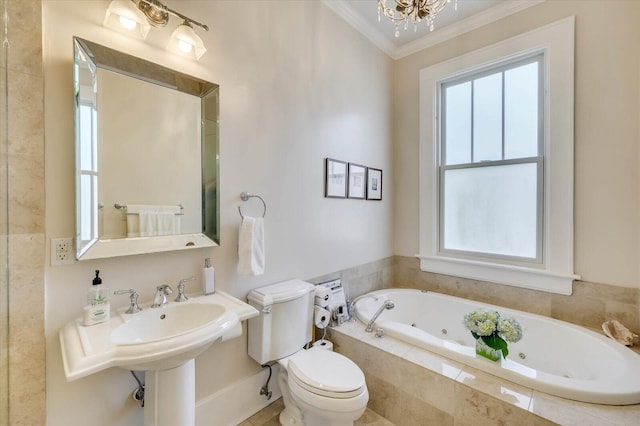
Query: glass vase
{"x": 487, "y": 351}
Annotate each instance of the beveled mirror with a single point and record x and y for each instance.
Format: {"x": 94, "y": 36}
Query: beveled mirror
{"x": 146, "y": 156}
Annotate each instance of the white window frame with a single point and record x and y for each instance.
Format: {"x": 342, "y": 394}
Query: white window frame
{"x": 555, "y": 274}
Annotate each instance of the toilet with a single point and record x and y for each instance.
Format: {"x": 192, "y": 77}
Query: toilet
{"x": 319, "y": 387}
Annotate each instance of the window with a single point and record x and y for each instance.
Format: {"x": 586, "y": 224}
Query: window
{"x": 491, "y": 162}
{"x": 496, "y": 159}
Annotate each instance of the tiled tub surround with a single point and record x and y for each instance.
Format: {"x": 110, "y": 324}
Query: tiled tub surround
{"x": 411, "y": 386}
{"x": 590, "y": 304}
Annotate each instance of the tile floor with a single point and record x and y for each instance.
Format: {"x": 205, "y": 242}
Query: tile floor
{"x": 268, "y": 416}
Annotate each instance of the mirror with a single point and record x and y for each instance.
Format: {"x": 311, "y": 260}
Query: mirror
{"x": 146, "y": 156}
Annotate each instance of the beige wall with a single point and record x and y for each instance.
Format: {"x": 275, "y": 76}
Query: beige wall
{"x": 297, "y": 84}
{"x": 606, "y": 131}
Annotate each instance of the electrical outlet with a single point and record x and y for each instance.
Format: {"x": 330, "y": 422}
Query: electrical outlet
{"x": 61, "y": 251}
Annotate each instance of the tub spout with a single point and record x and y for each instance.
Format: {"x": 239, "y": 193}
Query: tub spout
{"x": 388, "y": 304}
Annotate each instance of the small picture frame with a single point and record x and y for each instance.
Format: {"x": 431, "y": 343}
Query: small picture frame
{"x": 335, "y": 178}
{"x": 357, "y": 181}
{"x": 374, "y": 184}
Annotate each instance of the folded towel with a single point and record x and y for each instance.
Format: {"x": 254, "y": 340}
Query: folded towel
{"x": 149, "y": 220}
{"x": 133, "y": 225}
{"x": 165, "y": 223}
{"x": 146, "y": 223}
{"x": 251, "y": 246}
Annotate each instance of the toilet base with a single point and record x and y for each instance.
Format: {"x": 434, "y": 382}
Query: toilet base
{"x": 299, "y": 413}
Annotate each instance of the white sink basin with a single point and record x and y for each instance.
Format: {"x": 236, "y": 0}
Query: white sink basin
{"x": 164, "y": 323}
{"x": 154, "y": 339}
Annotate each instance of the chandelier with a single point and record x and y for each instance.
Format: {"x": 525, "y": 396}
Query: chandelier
{"x": 414, "y": 10}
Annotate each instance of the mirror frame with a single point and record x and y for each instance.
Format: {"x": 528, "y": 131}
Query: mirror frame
{"x": 131, "y": 66}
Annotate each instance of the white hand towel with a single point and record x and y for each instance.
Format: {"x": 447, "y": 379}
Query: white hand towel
{"x": 251, "y": 246}
{"x": 165, "y": 223}
{"x": 146, "y": 223}
{"x": 144, "y": 220}
{"x": 133, "y": 225}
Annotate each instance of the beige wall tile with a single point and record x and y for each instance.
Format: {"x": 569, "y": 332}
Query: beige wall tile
{"x": 477, "y": 408}
{"x": 26, "y": 215}
{"x": 25, "y": 36}
{"x": 564, "y": 411}
{"x": 584, "y": 311}
{"x": 589, "y": 305}
{"x": 503, "y": 390}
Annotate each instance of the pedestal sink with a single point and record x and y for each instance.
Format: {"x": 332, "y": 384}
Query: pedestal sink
{"x": 161, "y": 341}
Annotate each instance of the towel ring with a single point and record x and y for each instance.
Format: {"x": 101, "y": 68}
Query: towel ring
{"x": 244, "y": 196}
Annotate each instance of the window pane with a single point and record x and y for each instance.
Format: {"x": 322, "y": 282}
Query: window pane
{"x": 491, "y": 210}
{"x": 458, "y": 123}
{"x": 521, "y": 111}
{"x": 86, "y": 188}
{"x": 487, "y": 118}
{"x": 86, "y": 131}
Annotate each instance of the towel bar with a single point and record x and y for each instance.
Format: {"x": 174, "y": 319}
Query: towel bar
{"x": 244, "y": 196}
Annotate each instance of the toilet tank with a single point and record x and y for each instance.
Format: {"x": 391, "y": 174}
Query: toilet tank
{"x": 285, "y": 321}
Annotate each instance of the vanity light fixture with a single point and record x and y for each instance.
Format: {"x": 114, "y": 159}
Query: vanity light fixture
{"x": 414, "y": 10}
{"x": 136, "y": 17}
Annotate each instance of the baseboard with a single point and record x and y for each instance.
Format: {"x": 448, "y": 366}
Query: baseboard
{"x": 237, "y": 402}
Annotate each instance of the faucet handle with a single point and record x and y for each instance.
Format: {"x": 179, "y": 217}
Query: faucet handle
{"x": 181, "y": 296}
{"x": 133, "y": 298}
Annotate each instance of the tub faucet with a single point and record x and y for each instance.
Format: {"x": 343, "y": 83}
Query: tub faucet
{"x": 160, "y": 298}
{"x": 388, "y": 304}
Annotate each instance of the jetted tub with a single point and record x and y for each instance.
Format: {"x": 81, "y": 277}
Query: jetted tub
{"x": 553, "y": 356}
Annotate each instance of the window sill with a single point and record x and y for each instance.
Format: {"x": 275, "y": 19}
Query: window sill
{"x": 517, "y": 276}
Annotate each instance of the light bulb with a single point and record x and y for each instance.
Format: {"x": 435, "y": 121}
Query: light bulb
{"x": 127, "y": 23}
{"x": 184, "y": 46}
{"x": 124, "y": 16}
{"x": 185, "y": 41}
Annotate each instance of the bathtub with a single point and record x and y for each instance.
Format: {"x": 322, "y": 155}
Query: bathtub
{"x": 553, "y": 356}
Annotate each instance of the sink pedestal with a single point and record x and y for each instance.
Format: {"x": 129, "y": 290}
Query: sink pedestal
{"x": 170, "y": 396}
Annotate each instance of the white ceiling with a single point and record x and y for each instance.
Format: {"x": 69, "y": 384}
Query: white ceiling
{"x": 471, "y": 14}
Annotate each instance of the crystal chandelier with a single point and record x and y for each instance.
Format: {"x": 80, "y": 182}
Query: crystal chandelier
{"x": 415, "y": 10}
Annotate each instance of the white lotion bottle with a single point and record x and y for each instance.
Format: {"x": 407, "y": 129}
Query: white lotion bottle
{"x": 208, "y": 278}
{"x": 98, "y": 308}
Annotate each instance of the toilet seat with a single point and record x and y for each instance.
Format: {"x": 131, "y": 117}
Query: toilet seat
{"x": 326, "y": 373}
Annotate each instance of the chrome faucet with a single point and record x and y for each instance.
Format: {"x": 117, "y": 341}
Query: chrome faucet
{"x": 134, "y": 308}
{"x": 388, "y": 304}
{"x": 160, "y": 298}
{"x": 181, "y": 296}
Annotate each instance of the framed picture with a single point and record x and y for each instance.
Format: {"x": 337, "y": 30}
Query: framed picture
{"x": 374, "y": 184}
{"x": 335, "y": 178}
{"x": 357, "y": 181}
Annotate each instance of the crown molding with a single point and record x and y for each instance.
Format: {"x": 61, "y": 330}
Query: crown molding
{"x": 377, "y": 37}
{"x": 465, "y": 25}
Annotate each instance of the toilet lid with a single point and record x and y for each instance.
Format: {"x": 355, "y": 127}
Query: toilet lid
{"x": 326, "y": 373}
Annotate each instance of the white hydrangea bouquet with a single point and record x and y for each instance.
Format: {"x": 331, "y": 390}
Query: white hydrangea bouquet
{"x": 492, "y": 332}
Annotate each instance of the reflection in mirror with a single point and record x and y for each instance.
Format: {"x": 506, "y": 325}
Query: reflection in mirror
{"x": 146, "y": 156}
